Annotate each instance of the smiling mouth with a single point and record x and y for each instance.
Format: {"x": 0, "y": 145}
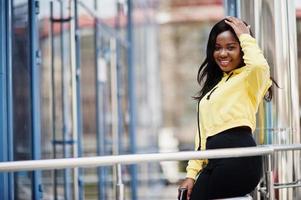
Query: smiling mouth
{"x": 224, "y": 63}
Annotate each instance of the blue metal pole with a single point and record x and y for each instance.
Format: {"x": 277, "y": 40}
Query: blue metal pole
{"x": 99, "y": 111}
{"x": 100, "y": 137}
{"x": 119, "y": 85}
{"x": 35, "y": 97}
{"x": 4, "y": 187}
{"x": 10, "y": 130}
{"x": 53, "y": 101}
{"x": 64, "y": 110}
{"x": 104, "y": 126}
{"x": 78, "y": 97}
{"x": 132, "y": 99}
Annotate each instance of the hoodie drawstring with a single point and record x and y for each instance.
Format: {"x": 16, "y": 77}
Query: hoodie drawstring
{"x": 208, "y": 97}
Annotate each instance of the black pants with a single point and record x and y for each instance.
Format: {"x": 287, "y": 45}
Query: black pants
{"x": 228, "y": 177}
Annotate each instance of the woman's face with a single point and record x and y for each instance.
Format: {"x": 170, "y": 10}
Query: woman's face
{"x": 227, "y": 52}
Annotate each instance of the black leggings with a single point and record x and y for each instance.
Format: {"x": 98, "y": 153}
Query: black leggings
{"x": 228, "y": 177}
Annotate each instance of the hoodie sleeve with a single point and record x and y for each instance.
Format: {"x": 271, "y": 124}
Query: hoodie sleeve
{"x": 258, "y": 71}
{"x": 194, "y": 166}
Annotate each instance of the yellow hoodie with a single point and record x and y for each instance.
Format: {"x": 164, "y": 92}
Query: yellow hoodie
{"x": 234, "y": 100}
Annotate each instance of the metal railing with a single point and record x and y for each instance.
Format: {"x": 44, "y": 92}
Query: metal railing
{"x": 87, "y": 162}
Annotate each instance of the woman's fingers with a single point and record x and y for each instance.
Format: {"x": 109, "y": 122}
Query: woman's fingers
{"x": 232, "y": 19}
{"x": 238, "y": 25}
{"x": 229, "y": 22}
{"x": 235, "y": 21}
{"x": 187, "y": 183}
{"x": 189, "y": 193}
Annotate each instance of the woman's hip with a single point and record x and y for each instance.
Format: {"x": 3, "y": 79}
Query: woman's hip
{"x": 234, "y": 138}
{"x": 231, "y": 138}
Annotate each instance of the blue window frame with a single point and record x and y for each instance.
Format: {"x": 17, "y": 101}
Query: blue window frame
{"x": 6, "y": 131}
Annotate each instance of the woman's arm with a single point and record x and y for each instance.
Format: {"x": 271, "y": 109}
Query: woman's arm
{"x": 258, "y": 78}
{"x": 194, "y": 166}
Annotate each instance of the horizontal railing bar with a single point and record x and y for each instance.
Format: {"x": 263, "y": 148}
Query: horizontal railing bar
{"x": 139, "y": 158}
{"x": 98, "y": 161}
{"x": 284, "y": 147}
{"x": 282, "y": 186}
{"x": 290, "y": 183}
{"x": 287, "y": 186}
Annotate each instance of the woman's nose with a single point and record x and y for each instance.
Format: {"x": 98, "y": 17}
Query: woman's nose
{"x": 223, "y": 53}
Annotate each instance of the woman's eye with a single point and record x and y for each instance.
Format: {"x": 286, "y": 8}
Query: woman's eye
{"x": 217, "y": 48}
{"x": 231, "y": 48}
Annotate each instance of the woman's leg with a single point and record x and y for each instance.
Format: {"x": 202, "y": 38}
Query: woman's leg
{"x": 234, "y": 177}
{"x": 225, "y": 178}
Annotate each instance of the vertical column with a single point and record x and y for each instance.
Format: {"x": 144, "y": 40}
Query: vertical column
{"x": 100, "y": 80}
{"x": 4, "y": 117}
{"x": 77, "y": 187}
{"x": 34, "y": 61}
{"x": 101, "y": 125}
{"x": 64, "y": 99}
{"x": 115, "y": 118}
{"x": 9, "y": 86}
{"x": 77, "y": 103}
{"x": 53, "y": 101}
{"x": 132, "y": 96}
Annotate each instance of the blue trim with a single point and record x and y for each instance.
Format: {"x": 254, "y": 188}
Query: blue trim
{"x": 10, "y": 130}
{"x": 78, "y": 97}
{"x": 4, "y": 187}
{"x": 35, "y": 98}
{"x": 6, "y": 138}
{"x": 132, "y": 99}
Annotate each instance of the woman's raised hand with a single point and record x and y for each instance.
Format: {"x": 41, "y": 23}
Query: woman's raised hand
{"x": 238, "y": 25}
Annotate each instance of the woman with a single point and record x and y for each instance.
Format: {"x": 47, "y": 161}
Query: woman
{"x": 235, "y": 77}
